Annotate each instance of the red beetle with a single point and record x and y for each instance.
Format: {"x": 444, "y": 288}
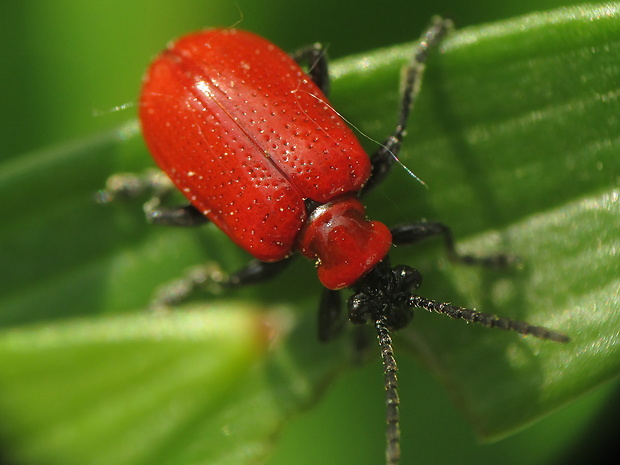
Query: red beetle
{"x": 249, "y": 139}
{"x": 252, "y": 143}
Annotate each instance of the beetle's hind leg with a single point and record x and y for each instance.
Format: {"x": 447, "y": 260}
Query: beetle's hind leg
{"x": 384, "y": 158}
{"x": 318, "y": 64}
{"x": 121, "y": 186}
{"x": 159, "y": 187}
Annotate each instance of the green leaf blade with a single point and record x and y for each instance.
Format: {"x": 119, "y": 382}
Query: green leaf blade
{"x": 515, "y": 133}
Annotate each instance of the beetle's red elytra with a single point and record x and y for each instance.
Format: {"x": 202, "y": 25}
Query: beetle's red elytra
{"x": 251, "y": 141}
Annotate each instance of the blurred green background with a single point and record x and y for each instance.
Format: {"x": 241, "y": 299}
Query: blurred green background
{"x": 68, "y": 64}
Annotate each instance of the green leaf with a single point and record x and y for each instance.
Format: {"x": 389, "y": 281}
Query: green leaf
{"x": 515, "y": 135}
{"x": 189, "y": 387}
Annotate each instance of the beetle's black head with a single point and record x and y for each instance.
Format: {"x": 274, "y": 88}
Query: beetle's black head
{"x": 384, "y": 292}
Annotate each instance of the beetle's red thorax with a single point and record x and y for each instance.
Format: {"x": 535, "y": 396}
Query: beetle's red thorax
{"x": 344, "y": 244}
{"x": 247, "y": 137}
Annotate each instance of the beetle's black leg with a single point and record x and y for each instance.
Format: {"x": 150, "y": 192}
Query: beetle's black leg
{"x": 411, "y": 233}
{"x": 318, "y": 69}
{"x": 210, "y": 278}
{"x": 186, "y": 215}
{"x": 130, "y": 185}
{"x": 330, "y": 317}
{"x": 384, "y": 158}
{"x": 207, "y": 278}
{"x": 256, "y": 272}
{"x": 159, "y": 187}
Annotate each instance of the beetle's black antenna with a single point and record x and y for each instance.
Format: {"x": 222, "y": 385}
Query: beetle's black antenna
{"x": 487, "y": 319}
{"x": 392, "y": 401}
